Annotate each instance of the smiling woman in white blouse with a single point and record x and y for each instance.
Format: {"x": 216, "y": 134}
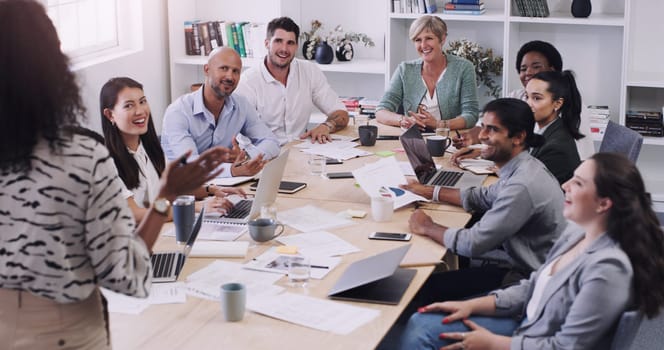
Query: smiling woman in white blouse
{"x": 132, "y": 141}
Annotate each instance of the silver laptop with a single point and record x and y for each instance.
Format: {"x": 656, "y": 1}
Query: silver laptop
{"x": 247, "y": 209}
{"x": 425, "y": 169}
{"x": 376, "y": 279}
{"x": 166, "y": 266}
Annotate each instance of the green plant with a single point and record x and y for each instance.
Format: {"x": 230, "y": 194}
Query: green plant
{"x": 487, "y": 66}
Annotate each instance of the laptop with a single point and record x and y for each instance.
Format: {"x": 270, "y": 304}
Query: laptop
{"x": 376, "y": 279}
{"x": 166, "y": 266}
{"x": 425, "y": 169}
{"x": 247, "y": 209}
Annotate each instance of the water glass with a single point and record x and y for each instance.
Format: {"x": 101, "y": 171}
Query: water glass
{"x": 317, "y": 164}
{"x": 299, "y": 270}
{"x": 269, "y": 211}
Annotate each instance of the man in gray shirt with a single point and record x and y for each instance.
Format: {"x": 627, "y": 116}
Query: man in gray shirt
{"x": 521, "y": 213}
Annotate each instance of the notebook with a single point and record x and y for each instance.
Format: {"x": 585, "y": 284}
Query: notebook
{"x": 166, "y": 266}
{"x": 376, "y": 279}
{"x": 425, "y": 169}
{"x": 247, "y": 209}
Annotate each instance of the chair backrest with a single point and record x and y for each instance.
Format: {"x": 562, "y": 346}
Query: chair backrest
{"x": 635, "y": 331}
{"x": 621, "y": 139}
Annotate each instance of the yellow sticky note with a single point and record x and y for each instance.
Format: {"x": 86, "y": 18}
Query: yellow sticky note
{"x": 287, "y": 249}
{"x": 356, "y": 213}
{"x": 384, "y": 153}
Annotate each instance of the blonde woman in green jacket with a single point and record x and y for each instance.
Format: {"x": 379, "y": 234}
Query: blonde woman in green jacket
{"x": 437, "y": 90}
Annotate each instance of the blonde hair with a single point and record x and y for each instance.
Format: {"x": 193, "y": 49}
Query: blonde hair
{"x": 434, "y": 24}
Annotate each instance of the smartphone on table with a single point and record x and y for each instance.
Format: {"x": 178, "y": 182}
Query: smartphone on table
{"x": 390, "y": 236}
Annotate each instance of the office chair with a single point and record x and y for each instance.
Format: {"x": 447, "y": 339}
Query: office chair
{"x": 635, "y": 331}
{"x": 621, "y": 139}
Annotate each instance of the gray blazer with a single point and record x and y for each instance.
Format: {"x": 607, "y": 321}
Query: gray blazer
{"x": 581, "y": 303}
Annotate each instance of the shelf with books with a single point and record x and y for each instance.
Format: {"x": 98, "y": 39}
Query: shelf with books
{"x": 597, "y": 19}
{"x": 491, "y": 15}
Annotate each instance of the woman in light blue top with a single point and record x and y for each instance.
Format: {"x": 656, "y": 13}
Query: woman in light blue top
{"x": 437, "y": 90}
{"x": 610, "y": 261}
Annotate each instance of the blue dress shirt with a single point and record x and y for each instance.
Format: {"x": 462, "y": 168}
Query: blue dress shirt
{"x": 189, "y": 125}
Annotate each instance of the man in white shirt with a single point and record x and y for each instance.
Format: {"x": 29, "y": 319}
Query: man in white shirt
{"x": 284, "y": 90}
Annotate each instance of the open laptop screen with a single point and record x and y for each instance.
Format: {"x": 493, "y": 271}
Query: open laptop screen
{"x": 418, "y": 154}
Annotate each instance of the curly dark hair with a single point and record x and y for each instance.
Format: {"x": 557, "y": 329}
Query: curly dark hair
{"x": 633, "y": 223}
{"x": 547, "y": 50}
{"x": 38, "y": 93}
{"x": 124, "y": 161}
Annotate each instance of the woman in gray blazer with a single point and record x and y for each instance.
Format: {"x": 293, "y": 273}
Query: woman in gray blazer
{"x": 611, "y": 260}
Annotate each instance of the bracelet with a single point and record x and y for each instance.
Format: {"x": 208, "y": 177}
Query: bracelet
{"x": 436, "y": 192}
{"x": 330, "y": 125}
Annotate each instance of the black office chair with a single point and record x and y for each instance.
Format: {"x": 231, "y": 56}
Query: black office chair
{"x": 621, "y": 139}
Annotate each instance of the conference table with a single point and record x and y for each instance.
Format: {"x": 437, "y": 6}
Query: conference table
{"x": 199, "y": 324}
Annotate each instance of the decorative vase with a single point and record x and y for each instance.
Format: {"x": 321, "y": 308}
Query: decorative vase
{"x": 324, "y": 53}
{"x": 581, "y": 8}
{"x": 309, "y": 49}
{"x": 345, "y": 51}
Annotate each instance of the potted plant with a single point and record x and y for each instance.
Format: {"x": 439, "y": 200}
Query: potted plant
{"x": 486, "y": 64}
{"x": 324, "y": 43}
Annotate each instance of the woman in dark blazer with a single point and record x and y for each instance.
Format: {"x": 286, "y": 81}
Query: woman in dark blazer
{"x": 610, "y": 261}
{"x": 556, "y": 104}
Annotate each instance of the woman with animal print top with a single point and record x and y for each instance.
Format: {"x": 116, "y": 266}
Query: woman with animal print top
{"x": 65, "y": 229}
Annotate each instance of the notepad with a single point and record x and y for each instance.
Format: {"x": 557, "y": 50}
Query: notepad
{"x": 215, "y": 249}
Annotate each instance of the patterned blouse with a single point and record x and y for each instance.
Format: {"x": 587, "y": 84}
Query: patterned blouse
{"x": 65, "y": 228}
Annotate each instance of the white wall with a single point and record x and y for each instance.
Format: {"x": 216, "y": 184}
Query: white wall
{"x": 149, "y": 67}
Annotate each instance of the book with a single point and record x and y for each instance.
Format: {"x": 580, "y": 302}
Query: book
{"x": 471, "y": 2}
{"x": 214, "y": 37}
{"x": 229, "y": 35}
{"x": 451, "y": 6}
{"x": 240, "y": 38}
{"x": 206, "y": 44}
{"x": 464, "y": 12}
{"x": 234, "y": 35}
{"x": 221, "y": 30}
{"x": 212, "y": 249}
{"x": 421, "y": 7}
{"x": 430, "y": 6}
{"x": 246, "y": 34}
{"x": 196, "y": 38}
{"x": 189, "y": 38}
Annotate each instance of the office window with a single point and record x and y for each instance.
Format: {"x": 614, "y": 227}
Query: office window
{"x": 93, "y": 31}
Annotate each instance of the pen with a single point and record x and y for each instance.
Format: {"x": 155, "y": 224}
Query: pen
{"x": 466, "y": 152}
{"x": 245, "y": 161}
{"x": 319, "y": 267}
{"x": 457, "y": 133}
{"x": 183, "y": 160}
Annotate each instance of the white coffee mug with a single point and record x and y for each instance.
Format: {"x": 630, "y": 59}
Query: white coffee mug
{"x": 382, "y": 208}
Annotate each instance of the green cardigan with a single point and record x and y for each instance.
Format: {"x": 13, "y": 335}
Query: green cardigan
{"x": 457, "y": 91}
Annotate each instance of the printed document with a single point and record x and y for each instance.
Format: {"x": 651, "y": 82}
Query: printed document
{"x": 385, "y": 174}
{"x": 205, "y": 282}
{"x": 310, "y": 218}
{"x": 321, "y": 314}
{"x": 319, "y": 243}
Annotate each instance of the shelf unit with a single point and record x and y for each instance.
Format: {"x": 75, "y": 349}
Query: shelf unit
{"x": 592, "y": 47}
{"x": 644, "y": 85}
{"x": 368, "y": 64}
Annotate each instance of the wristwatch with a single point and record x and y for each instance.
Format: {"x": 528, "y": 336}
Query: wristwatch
{"x": 161, "y": 205}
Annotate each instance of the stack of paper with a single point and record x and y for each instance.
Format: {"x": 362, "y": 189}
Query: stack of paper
{"x": 211, "y": 249}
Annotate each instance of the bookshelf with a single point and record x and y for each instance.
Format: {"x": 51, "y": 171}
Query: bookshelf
{"x": 600, "y": 37}
{"x": 363, "y": 76}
